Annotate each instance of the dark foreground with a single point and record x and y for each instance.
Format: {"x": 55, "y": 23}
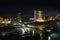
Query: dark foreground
{"x": 14, "y": 34}
{"x": 21, "y": 38}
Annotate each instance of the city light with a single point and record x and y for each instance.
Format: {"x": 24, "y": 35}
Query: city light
{"x": 6, "y": 22}
{"x": 23, "y": 25}
{"x": 23, "y": 32}
{"x": 40, "y": 20}
{"x": 20, "y": 21}
{"x": 35, "y": 27}
{"x": 33, "y": 32}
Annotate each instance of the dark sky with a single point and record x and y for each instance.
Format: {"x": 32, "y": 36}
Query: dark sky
{"x": 26, "y": 7}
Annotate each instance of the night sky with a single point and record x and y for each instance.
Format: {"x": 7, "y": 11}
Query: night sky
{"x": 27, "y": 7}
